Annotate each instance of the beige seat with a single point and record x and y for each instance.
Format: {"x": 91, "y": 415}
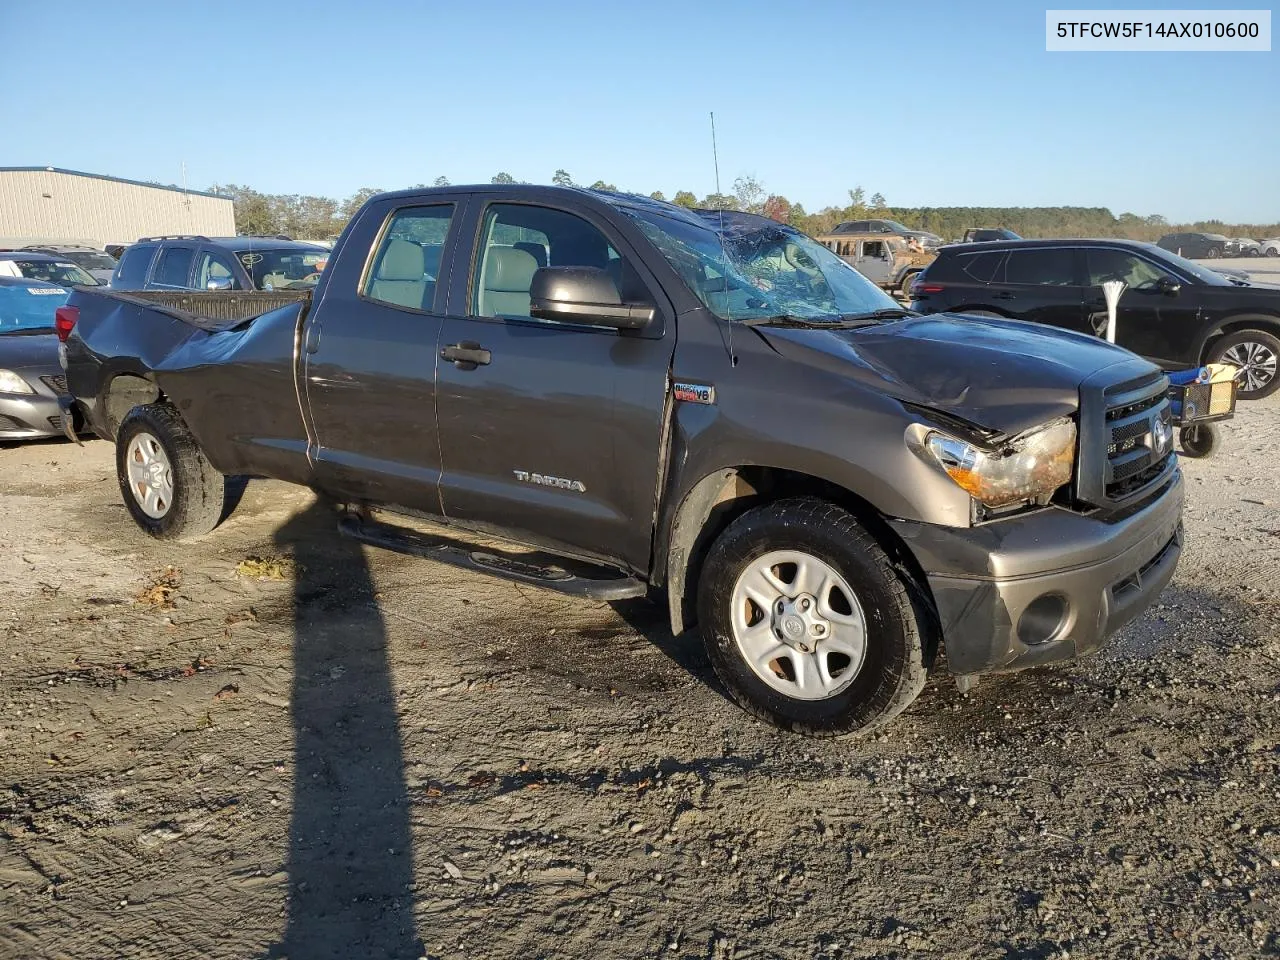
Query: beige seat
{"x": 505, "y": 279}
{"x": 401, "y": 275}
{"x": 274, "y": 281}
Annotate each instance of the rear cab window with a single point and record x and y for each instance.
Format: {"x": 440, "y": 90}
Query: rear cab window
{"x": 405, "y": 270}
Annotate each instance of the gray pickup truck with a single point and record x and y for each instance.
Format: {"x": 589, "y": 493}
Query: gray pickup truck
{"x": 708, "y": 406}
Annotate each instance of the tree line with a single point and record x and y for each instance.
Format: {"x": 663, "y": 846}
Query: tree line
{"x": 318, "y": 218}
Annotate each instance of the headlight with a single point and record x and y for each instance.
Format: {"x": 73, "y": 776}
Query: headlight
{"x": 1031, "y": 467}
{"x": 10, "y": 382}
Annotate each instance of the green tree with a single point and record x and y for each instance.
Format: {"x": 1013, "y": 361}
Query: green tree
{"x": 442, "y": 181}
{"x": 503, "y": 177}
{"x": 684, "y": 198}
{"x": 657, "y": 195}
{"x": 561, "y": 178}
{"x": 877, "y": 201}
{"x": 357, "y": 200}
{"x": 601, "y": 185}
{"x": 748, "y": 194}
{"x": 719, "y": 201}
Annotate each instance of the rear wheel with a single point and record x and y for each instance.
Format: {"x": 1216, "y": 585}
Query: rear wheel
{"x": 1273, "y": 251}
{"x": 169, "y": 487}
{"x": 1213, "y": 253}
{"x": 1256, "y": 353}
{"x": 808, "y": 624}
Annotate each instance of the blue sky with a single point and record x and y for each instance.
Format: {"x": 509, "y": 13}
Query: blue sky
{"x": 929, "y": 103}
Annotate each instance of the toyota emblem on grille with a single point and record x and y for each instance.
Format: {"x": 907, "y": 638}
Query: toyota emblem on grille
{"x": 1161, "y": 436}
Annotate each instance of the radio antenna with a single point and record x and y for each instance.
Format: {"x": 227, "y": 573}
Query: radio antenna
{"x": 724, "y": 262}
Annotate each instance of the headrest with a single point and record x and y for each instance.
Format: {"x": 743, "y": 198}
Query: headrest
{"x": 508, "y": 270}
{"x": 536, "y": 250}
{"x": 402, "y": 261}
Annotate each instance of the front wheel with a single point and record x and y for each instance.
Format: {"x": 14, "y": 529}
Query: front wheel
{"x": 1257, "y": 354}
{"x": 808, "y": 624}
{"x": 169, "y": 487}
{"x": 1272, "y": 251}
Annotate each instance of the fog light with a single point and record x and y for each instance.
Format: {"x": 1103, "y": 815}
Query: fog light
{"x": 1043, "y": 619}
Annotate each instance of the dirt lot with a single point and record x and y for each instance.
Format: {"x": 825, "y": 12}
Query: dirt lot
{"x": 327, "y": 752}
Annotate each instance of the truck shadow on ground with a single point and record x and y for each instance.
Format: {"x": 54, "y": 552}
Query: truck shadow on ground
{"x": 350, "y": 861}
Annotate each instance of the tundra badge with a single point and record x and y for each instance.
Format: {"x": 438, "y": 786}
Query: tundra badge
{"x": 577, "y": 486}
{"x": 695, "y": 392}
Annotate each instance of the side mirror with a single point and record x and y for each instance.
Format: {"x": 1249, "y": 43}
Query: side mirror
{"x": 1168, "y": 286}
{"x": 584, "y": 295}
{"x": 218, "y": 283}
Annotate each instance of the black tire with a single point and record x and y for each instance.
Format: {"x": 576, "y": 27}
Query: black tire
{"x": 1213, "y": 253}
{"x": 1262, "y": 338}
{"x": 907, "y": 280}
{"x": 1198, "y": 440}
{"x": 1254, "y": 252}
{"x": 898, "y": 630}
{"x": 1272, "y": 252}
{"x": 199, "y": 491}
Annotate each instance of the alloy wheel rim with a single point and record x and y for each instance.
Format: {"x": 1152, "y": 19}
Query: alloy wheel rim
{"x": 150, "y": 475}
{"x": 1256, "y": 360}
{"x": 798, "y": 625}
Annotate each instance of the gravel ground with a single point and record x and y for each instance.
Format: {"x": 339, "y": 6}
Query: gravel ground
{"x": 273, "y": 743}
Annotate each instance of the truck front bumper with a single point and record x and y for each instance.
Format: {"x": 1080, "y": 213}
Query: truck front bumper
{"x": 1049, "y": 586}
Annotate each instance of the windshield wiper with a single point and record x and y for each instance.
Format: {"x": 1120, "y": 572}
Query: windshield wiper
{"x": 789, "y": 320}
{"x": 874, "y": 316}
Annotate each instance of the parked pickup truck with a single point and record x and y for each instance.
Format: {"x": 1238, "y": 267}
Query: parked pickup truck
{"x": 710, "y": 406}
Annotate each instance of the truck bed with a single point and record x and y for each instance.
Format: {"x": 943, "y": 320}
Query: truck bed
{"x": 210, "y": 310}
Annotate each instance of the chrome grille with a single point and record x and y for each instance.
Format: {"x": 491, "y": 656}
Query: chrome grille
{"x": 1132, "y": 460}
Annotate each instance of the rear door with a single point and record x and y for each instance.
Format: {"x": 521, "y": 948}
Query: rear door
{"x": 369, "y": 348}
{"x": 554, "y": 435}
{"x": 1151, "y": 322}
{"x": 1042, "y": 285}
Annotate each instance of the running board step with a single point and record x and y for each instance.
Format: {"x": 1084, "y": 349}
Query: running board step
{"x": 539, "y": 574}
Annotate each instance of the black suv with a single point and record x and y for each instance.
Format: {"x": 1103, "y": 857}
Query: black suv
{"x": 926, "y": 238}
{"x": 219, "y": 263}
{"x": 1200, "y": 246}
{"x": 1174, "y": 312}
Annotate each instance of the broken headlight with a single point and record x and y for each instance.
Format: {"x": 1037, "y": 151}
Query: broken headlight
{"x": 1029, "y": 467}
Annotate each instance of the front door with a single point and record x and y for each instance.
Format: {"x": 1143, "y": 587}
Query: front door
{"x": 874, "y": 260}
{"x": 551, "y": 432}
{"x": 370, "y": 357}
{"x": 1151, "y": 321}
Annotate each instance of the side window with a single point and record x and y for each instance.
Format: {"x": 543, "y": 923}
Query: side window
{"x": 873, "y": 249}
{"x": 174, "y": 268}
{"x": 213, "y": 268}
{"x": 1046, "y": 266}
{"x": 517, "y": 240}
{"x": 133, "y": 267}
{"x": 1107, "y": 265}
{"x": 407, "y": 265}
{"x": 981, "y": 267}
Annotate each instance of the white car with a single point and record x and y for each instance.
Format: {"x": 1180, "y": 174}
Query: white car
{"x": 1271, "y": 248}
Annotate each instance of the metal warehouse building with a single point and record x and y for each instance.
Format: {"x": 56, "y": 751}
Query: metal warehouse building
{"x": 46, "y": 204}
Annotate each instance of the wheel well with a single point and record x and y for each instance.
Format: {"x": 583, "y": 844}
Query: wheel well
{"x": 719, "y": 498}
{"x": 1270, "y": 324}
{"x": 122, "y": 394}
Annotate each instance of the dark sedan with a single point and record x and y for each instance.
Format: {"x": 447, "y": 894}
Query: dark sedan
{"x": 31, "y": 377}
{"x": 1200, "y": 246}
{"x": 1172, "y": 311}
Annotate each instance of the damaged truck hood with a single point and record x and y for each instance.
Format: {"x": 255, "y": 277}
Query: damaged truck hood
{"x": 999, "y": 375}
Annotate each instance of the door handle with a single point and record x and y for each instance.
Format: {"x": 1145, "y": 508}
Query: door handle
{"x": 1004, "y": 295}
{"x": 313, "y": 337}
{"x": 466, "y": 355}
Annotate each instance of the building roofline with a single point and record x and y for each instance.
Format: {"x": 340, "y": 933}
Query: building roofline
{"x": 103, "y": 176}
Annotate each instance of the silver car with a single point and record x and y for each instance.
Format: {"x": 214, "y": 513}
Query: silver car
{"x": 31, "y": 375}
